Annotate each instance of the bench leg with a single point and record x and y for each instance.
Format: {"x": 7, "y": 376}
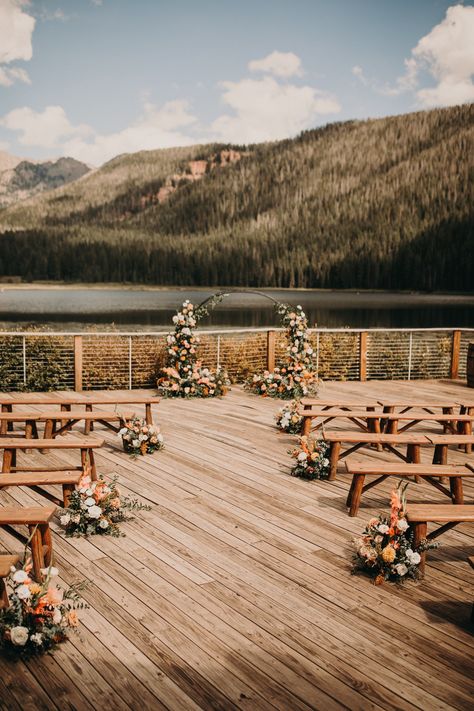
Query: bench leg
{"x": 455, "y": 484}
{"x": 65, "y": 408}
{"x": 306, "y": 426}
{"x": 414, "y": 457}
{"x": 4, "y": 601}
{"x": 89, "y": 425}
{"x": 356, "y": 493}
{"x": 148, "y": 415}
{"x": 419, "y": 534}
{"x": 67, "y": 491}
{"x": 7, "y": 461}
{"x": 6, "y": 426}
{"x": 37, "y": 552}
{"x": 47, "y": 544}
{"x": 85, "y": 454}
{"x": 334, "y": 452}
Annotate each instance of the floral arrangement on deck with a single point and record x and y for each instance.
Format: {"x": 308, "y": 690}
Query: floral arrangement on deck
{"x": 97, "y": 507}
{"x": 294, "y": 379}
{"x": 139, "y": 438}
{"x": 40, "y": 615}
{"x": 385, "y": 550}
{"x": 311, "y": 459}
{"x": 288, "y": 419}
{"x": 185, "y": 376}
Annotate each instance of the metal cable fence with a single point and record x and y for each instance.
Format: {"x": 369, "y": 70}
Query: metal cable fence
{"x": 116, "y": 360}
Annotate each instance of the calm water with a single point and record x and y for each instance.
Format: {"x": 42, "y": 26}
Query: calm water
{"x": 132, "y": 309}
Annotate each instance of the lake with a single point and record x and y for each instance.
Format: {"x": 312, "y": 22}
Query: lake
{"x": 76, "y": 308}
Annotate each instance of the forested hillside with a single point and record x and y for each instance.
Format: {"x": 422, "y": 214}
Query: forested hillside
{"x": 384, "y": 203}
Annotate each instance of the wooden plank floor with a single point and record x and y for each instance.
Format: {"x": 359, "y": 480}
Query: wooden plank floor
{"x": 235, "y": 592}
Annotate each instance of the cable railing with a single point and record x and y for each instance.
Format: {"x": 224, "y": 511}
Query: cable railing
{"x": 125, "y": 360}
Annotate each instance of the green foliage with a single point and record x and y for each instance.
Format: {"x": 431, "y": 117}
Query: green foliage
{"x": 49, "y": 363}
{"x": 373, "y": 204}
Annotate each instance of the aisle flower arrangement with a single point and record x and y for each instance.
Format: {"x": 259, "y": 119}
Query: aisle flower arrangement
{"x": 97, "y": 507}
{"x": 295, "y": 378}
{"x": 288, "y": 419}
{"x": 311, "y": 459}
{"x": 185, "y": 376}
{"x": 139, "y": 438}
{"x": 40, "y": 615}
{"x": 385, "y": 550}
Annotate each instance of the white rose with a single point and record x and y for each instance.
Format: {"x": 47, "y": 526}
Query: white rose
{"x": 160, "y": 438}
{"x": 37, "y": 638}
{"x": 23, "y": 592}
{"x": 19, "y": 576}
{"x": 135, "y": 443}
{"x": 89, "y": 491}
{"x": 401, "y": 569}
{"x": 413, "y": 557}
{"x": 94, "y": 512}
{"x": 104, "y": 523}
{"x": 57, "y": 616}
{"x": 19, "y": 636}
{"x": 302, "y": 456}
{"x": 402, "y": 524}
{"x": 175, "y": 319}
{"x": 383, "y": 528}
{"x": 90, "y": 501}
{"x": 122, "y": 431}
{"x": 76, "y": 518}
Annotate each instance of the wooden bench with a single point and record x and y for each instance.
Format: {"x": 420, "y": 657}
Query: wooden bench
{"x": 67, "y": 399}
{"x": 11, "y": 446}
{"x": 429, "y": 406}
{"x": 309, "y": 402}
{"x": 362, "y": 439}
{"x": 51, "y": 420}
{"x": 37, "y": 519}
{"x": 450, "y": 515}
{"x": 371, "y": 424}
{"x": 442, "y": 442}
{"x": 422, "y": 472}
{"x": 68, "y": 480}
{"x": 6, "y": 562}
{"x": 466, "y": 407}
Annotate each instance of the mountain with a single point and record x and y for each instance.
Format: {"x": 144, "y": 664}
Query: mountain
{"x": 21, "y": 179}
{"x": 383, "y": 203}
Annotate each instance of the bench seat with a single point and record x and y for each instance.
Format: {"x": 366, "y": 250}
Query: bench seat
{"x": 449, "y": 515}
{"x": 422, "y": 472}
{"x": 35, "y": 480}
{"x": 37, "y": 519}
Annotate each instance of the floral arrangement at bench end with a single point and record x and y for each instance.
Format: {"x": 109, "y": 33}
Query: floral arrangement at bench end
{"x": 288, "y": 419}
{"x": 185, "y": 376}
{"x": 311, "y": 459}
{"x": 139, "y": 438}
{"x": 97, "y": 507}
{"x": 294, "y": 379}
{"x": 385, "y": 550}
{"x": 40, "y": 615}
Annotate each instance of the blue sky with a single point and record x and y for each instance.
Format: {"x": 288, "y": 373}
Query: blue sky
{"x": 94, "y": 78}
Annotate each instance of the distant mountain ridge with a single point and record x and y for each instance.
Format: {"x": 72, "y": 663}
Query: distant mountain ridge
{"x": 383, "y": 203}
{"x": 21, "y": 179}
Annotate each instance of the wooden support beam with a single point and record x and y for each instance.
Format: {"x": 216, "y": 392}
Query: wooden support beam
{"x": 455, "y": 349}
{"x": 363, "y": 355}
{"x": 271, "y": 341}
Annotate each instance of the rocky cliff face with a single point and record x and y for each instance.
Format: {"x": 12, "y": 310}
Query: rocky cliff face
{"x": 20, "y": 179}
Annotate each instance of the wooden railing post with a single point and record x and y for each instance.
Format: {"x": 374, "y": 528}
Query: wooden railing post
{"x": 363, "y": 355}
{"x": 271, "y": 341}
{"x": 455, "y": 348}
{"x": 78, "y": 363}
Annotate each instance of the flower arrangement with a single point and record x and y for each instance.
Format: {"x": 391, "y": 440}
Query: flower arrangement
{"x": 385, "y": 550}
{"x": 140, "y": 438}
{"x": 40, "y": 615}
{"x": 185, "y": 376}
{"x": 311, "y": 459}
{"x": 294, "y": 379}
{"x": 97, "y": 507}
{"x": 288, "y": 419}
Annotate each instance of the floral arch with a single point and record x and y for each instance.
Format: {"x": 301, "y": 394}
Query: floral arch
{"x": 185, "y": 376}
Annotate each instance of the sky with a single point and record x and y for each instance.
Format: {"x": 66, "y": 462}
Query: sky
{"x": 93, "y": 79}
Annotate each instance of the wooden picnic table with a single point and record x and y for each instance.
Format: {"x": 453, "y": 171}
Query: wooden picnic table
{"x": 12, "y": 445}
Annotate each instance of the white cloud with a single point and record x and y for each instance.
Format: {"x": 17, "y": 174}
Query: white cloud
{"x": 447, "y": 54}
{"x": 281, "y": 64}
{"x": 265, "y": 110}
{"x": 51, "y": 129}
{"x": 16, "y": 30}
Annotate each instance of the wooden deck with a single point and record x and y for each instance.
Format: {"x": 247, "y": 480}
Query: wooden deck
{"x": 235, "y": 592}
